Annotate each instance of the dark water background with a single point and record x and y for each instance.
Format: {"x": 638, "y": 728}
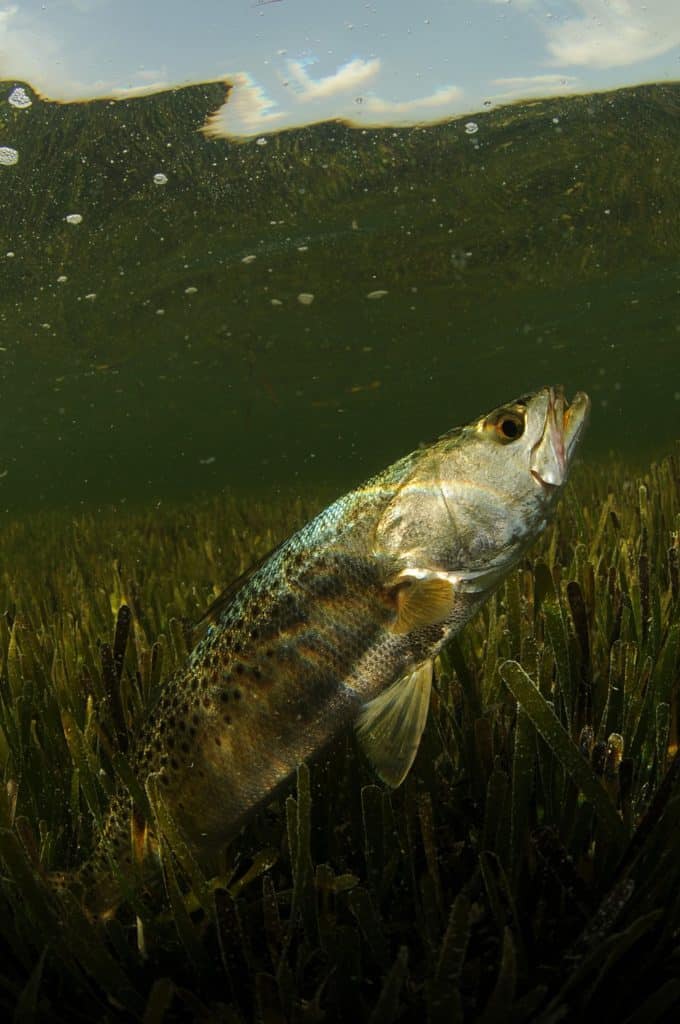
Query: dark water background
{"x": 542, "y": 248}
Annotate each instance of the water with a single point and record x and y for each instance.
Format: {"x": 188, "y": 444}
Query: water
{"x": 182, "y": 314}
{"x": 182, "y": 317}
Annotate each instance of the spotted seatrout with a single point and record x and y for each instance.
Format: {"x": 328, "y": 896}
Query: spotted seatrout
{"x": 341, "y": 623}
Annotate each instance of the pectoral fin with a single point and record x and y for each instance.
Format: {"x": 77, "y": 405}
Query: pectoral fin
{"x": 421, "y": 600}
{"x": 389, "y": 728}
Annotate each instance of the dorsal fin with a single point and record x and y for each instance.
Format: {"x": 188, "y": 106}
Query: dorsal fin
{"x": 224, "y": 599}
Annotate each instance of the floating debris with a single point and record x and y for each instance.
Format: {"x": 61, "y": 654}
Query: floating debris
{"x": 249, "y": 259}
{"x": 74, "y": 218}
{"x": 379, "y": 293}
{"x": 305, "y": 298}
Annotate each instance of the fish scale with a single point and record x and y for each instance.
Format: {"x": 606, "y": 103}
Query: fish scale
{"x": 340, "y": 624}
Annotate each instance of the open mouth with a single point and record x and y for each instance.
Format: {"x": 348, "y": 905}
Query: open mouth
{"x": 563, "y": 428}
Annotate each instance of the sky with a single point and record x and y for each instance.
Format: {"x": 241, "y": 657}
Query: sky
{"x": 293, "y": 62}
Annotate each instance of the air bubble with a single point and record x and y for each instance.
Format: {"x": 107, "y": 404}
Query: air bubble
{"x": 305, "y": 298}
{"x": 74, "y": 218}
{"x": 160, "y": 179}
{"x": 20, "y": 99}
{"x": 471, "y": 128}
{"x": 8, "y": 156}
{"x": 261, "y": 141}
{"x": 249, "y": 259}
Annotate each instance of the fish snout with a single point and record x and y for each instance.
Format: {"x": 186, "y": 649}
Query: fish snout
{"x": 562, "y": 429}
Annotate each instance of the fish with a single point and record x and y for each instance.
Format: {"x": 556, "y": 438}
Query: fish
{"x": 339, "y": 626}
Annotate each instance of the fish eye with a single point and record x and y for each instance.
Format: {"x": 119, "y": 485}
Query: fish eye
{"x": 509, "y": 426}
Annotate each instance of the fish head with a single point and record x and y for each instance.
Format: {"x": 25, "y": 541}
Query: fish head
{"x": 479, "y": 496}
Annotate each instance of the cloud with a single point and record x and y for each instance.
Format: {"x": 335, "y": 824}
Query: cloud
{"x": 614, "y": 33}
{"x": 534, "y": 85}
{"x": 248, "y": 109}
{"x": 24, "y": 53}
{"x": 420, "y": 104}
{"x": 350, "y": 76}
{"x": 126, "y": 92}
{"x": 29, "y": 54}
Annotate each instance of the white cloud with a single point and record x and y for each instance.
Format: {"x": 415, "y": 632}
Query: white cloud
{"x": 614, "y": 33}
{"x": 126, "y": 92}
{"x": 350, "y": 76}
{"x": 29, "y": 54}
{"x": 24, "y": 53}
{"x": 443, "y": 97}
{"x": 534, "y": 85}
{"x": 248, "y": 109}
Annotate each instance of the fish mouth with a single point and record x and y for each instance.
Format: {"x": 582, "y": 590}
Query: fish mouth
{"x": 562, "y": 430}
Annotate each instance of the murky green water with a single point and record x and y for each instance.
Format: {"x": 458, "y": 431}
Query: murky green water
{"x": 159, "y": 348}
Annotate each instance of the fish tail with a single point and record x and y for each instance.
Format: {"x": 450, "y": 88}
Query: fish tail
{"x": 124, "y": 856}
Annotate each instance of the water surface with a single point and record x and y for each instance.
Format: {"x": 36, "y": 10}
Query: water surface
{"x": 153, "y": 339}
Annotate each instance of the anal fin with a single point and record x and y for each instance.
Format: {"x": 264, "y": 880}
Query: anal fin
{"x": 389, "y": 727}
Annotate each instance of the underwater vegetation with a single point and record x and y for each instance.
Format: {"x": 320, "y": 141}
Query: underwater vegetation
{"x": 527, "y": 870}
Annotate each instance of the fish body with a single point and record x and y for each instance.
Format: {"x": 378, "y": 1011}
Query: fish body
{"x": 341, "y": 623}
